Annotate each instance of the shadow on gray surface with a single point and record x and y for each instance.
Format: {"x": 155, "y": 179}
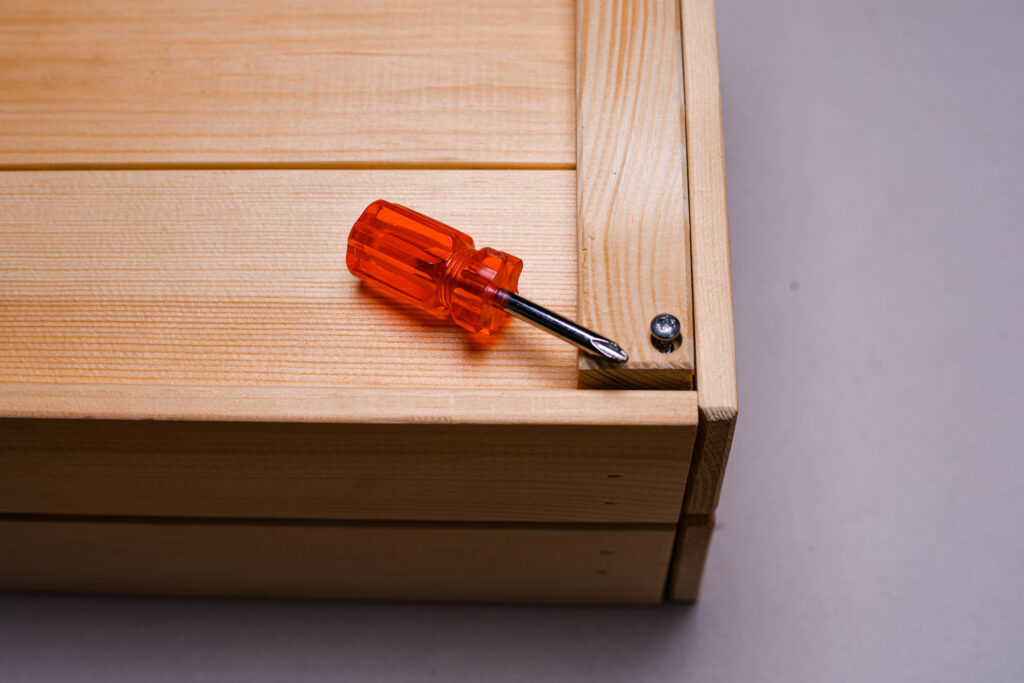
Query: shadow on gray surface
{"x": 128, "y": 639}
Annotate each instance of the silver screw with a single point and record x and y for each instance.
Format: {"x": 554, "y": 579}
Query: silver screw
{"x": 664, "y": 332}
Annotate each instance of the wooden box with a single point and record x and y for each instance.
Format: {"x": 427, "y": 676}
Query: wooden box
{"x": 197, "y": 398}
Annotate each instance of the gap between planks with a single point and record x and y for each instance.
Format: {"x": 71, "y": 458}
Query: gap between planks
{"x": 327, "y": 522}
{"x": 288, "y": 166}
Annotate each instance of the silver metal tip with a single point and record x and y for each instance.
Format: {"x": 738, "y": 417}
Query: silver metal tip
{"x": 549, "y": 321}
{"x": 606, "y": 348}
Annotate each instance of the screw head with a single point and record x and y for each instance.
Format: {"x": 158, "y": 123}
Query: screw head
{"x": 665, "y": 327}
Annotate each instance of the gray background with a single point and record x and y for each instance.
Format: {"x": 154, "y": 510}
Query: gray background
{"x": 870, "y": 525}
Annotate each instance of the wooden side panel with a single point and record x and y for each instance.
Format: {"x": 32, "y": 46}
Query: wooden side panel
{"x": 350, "y": 561}
{"x": 712, "y": 299}
{"x": 631, "y": 186}
{"x": 212, "y": 278}
{"x": 462, "y": 472}
{"x": 287, "y": 82}
{"x": 712, "y": 279}
{"x": 693, "y": 541}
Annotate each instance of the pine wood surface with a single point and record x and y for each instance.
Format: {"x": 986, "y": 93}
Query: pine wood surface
{"x": 414, "y": 455}
{"x": 375, "y": 405}
{"x": 712, "y": 278}
{"x": 163, "y": 332}
{"x": 287, "y": 82}
{"x": 631, "y": 186}
{"x": 567, "y": 564}
{"x": 238, "y": 278}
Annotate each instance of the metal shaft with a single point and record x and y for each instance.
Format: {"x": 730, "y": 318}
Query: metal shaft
{"x": 549, "y": 321}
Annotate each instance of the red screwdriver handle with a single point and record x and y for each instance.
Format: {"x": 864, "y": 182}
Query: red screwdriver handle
{"x": 431, "y": 266}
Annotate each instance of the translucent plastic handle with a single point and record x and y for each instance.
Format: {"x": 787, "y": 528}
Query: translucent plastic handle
{"x": 431, "y": 266}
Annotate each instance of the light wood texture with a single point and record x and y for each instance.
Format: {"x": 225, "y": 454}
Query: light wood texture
{"x": 221, "y": 278}
{"x": 558, "y": 456}
{"x": 287, "y": 82}
{"x": 223, "y": 295}
{"x": 693, "y": 541}
{"x": 712, "y": 278}
{"x": 601, "y": 564}
{"x": 347, "y": 406}
{"x": 631, "y": 186}
{"x": 189, "y": 375}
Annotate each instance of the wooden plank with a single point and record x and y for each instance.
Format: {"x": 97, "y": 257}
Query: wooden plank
{"x": 227, "y": 278}
{"x": 384, "y": 405}
{"x": 286, "y": 82}
{"x": 600, "y": 564}
{"x": 631, "y": 188}
{"x": 693, "y": 541}
{"x": 712, "y": 279}
{"x": 560, "y": 456}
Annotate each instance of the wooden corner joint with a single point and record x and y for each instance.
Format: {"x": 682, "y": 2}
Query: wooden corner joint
{"x": 693, "y": 540}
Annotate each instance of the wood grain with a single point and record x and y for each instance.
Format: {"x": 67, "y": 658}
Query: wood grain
{"x": 693, "y": 540}
{"x": 599, "y": 564}
{"x": 187, "y": 345}
{"x": 631, "y": 188}
{"x": 373, "y": 405}
{"x": 381, "y": 454}
{"x": 287, "y": 82}
{"x": 712, "y": 279}
{"x": 230, "y": 278}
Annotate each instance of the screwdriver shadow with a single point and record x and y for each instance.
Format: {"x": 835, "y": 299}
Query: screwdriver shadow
{"x": 395, "y": 306}
{"x": 527, "y": 347}
{"x": 474, "y": 344}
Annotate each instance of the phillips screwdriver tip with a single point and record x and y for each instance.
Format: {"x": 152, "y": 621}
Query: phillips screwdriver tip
{"x": 549, "y": 321}
{"x": 609, "y": 349}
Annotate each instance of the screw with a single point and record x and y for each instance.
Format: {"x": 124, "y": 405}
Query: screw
{"x": 665, "y": 332}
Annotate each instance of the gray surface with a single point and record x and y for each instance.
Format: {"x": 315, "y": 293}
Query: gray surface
{"x": 870, "y": 527}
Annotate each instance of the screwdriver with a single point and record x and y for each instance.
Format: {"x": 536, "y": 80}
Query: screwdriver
{"x": 439, "y": 270}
